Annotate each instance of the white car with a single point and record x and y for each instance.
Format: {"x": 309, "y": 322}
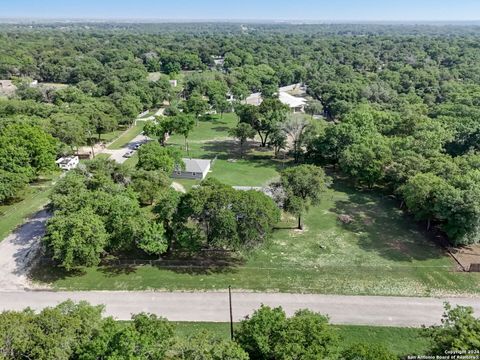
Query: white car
{"x": 128, "y": 154}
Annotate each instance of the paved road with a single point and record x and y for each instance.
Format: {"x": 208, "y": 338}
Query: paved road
{"x": 18, "y": 250}
{"x": 213, "y": 306}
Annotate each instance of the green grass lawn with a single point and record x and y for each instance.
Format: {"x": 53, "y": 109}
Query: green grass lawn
{"x": 381, "y": 253}
{"x": 110, "y": 136}
{"x": 401, "y": 341}
{"x": 35, "y": 196}
{"x": 102, "y": 156}
{"x": 127, "y": 136}
{"x": 210, "y": 140}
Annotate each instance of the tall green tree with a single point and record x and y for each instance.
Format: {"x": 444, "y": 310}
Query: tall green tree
{"x": 459, "y": 331}
{"x": 367, "y": 160}
{"x": 76, "y": 239}
{"x": 242, "y": 132}
{"x": 303, "y": 187}
{"x": 184, "y": 125}
{"x": 269, "y": 334}
{"x": 196, "y": 105}
{"x": 152, "y": 156}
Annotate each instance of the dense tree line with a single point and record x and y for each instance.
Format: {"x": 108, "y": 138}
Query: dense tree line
{"x": 78, "y": 331}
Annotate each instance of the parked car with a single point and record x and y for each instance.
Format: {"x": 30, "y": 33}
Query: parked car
{"x": 128, "y": 154}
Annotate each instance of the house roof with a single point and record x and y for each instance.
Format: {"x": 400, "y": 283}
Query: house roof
{"x": 7, "y": 86}
{"x": 291, "y": 101}
{"x": 66, "y": 160}
{"x": 286, "y": 98}
{"x": 254, "y": 99}
{"x": 196, "y": 165}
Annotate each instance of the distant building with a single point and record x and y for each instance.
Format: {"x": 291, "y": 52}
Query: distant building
{"x": 68, "y": 163}
{"x": 218, "y": 61}
{"x": 173, "y": 83}
{"x": 295, "y": 103}
{"x": 194, "y": 169}
{"x": 254, "y": 99}
{"x": 7, "y": 87}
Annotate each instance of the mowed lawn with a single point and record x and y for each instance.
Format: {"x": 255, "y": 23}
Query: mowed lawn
{"x": 381, "y": 252}
{"x": 401, "y": 341}
{"x": 210, "y": 140}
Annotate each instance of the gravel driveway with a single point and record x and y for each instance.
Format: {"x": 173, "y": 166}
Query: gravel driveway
{"x": 118, "y": 154}
{"x": 19, "y": 250}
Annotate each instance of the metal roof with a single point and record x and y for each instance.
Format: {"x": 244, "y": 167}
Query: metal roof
{"x": 196, "y": 165}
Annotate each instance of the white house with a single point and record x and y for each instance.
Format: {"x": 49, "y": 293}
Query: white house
{"x": 194, "y": 169}
{"x": 254, "y": 99}
{"x": 218, "y": 60}
{"x": 173, "y": 83}
{"x": 68, "y": 163}
{"x": 295, "y": 103}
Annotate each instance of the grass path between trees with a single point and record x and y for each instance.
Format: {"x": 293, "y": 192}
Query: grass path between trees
{"x": 35, "y": 197}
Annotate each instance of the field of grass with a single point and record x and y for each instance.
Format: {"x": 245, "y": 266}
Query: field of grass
{"x": 110, "y": 136}
{"x": 380, "y": 253}
{"x": 35, "y": 196}
{"x": 127, "y": 136}
{"x": 210, "y": 140}
{"x": 401, "y": 341}
{"x": 101, "y": 156}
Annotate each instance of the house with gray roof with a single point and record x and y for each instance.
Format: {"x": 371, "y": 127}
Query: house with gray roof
{"x": 194, "y": 169}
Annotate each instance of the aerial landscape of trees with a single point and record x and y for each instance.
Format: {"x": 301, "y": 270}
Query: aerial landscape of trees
{"x": 391, "y": 118}
{"x": 395, "y": 111}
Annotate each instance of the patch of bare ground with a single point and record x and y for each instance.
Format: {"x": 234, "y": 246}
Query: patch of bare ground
{"x": 467, "y": 256}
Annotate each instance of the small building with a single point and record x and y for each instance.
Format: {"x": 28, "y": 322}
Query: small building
{"x": 296, "y": 104}
{"x": 173, "y": 83}
{"x": 68, "y": 163}
{"x": 218, "y": 60}
{"x": 254, "y": 99}
{"x": 194, "y": 169}
{"x": 7, "y": 87}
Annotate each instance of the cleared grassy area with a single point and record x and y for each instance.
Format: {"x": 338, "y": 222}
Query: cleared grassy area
{"x": 401, "y": 341}
{"x": 381, "y": 253}
{"x": 110, "y": 136}
{"x": 102, "y": 156}
{"x": 53, "y": 85}
{"x": 35, "y": 196}
{"x": 210, "y": 140}
{"x": 132, "y": 161}
{"x": 127, "y": 136}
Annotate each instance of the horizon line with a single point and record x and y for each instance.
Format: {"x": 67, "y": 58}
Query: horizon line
{"x": 228, "y": 20}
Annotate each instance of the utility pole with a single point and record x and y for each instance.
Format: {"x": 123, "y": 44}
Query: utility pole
{"x": 231, "y": 313}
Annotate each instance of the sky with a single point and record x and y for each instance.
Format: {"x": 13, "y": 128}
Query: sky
{"x": 310, "y": 10}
